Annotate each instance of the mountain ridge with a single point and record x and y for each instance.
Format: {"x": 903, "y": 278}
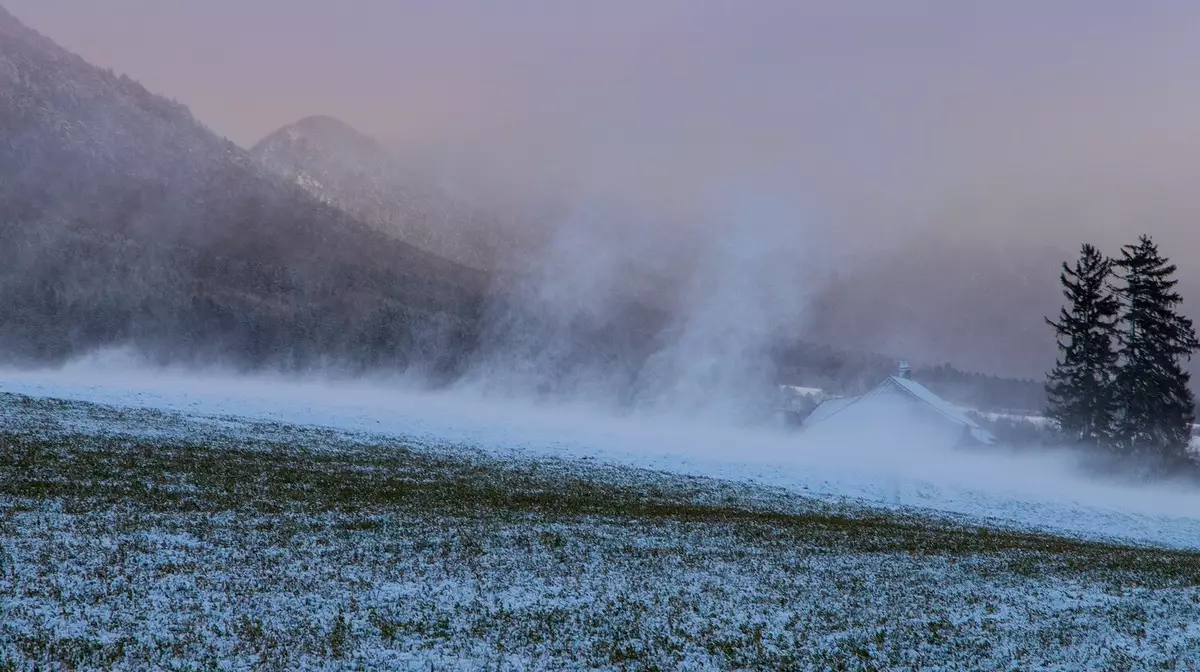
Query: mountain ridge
{"x": 351, "y": 170}
{"x": 127, "y": 219}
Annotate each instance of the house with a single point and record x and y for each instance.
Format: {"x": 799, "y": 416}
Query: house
{"x": 896, "y": 408}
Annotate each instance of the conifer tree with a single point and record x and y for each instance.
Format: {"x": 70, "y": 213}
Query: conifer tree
{"x": 1156, "y": 408}
{"x": 1080, "y": 388}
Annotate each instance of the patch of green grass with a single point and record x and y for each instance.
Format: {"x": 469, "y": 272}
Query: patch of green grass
{"x": 278, "y": 547}
{"x": 88, "y": 472}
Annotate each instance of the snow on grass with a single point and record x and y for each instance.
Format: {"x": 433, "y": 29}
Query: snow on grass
{"x": 1043, "y": 491}
{"x": 136, "y": 538}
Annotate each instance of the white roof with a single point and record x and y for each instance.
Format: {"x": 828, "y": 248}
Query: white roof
{"x": 828, "y": 408}
{"x": 911, "y": 389}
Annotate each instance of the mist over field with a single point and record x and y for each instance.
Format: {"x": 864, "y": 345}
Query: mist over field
{"x": 466, "y": 335}
{"x": 679, "y": 236}
{"x": 524, "y": 209}
{"x": 953, "y": 156}
{"x": 898, "y": 460}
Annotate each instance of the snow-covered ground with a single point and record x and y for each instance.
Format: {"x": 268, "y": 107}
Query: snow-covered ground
{"x": 406, "y": 530}
{"x": 1043, "y": 491}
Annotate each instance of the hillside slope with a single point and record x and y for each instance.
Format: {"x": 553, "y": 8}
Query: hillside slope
{"x": 124, "y": 219}
{"x": 341, "y": 166}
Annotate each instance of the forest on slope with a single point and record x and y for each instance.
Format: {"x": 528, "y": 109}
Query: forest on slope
{"x": 125, "y": 219}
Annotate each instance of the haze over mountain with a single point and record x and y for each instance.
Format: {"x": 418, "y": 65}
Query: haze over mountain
{"x": 933, "y": 301}
{"x": 125, "y": 220}
{"x": 315, "y": 245}
{"x": 948, "y": 302}
{"x": 343, "y": 167}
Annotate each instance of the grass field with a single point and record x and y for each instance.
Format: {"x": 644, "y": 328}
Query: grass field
{"x": 140, "y": 539}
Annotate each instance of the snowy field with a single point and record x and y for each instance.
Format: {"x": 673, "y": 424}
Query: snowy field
{"x": 170, "y": 522}
{"x": 1033, "y": 490}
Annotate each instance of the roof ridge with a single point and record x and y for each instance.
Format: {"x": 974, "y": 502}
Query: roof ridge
{"x": 918, "y": 392}
{"x": 905, "y": 383}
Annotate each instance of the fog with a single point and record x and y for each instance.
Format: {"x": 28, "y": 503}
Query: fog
{"x": 935, "y": 130}
{"x": 727, "y": 168}
{"x": 998, "y": 120}
{"x": 739, "y": 292}
{"x": 898, "y": 462}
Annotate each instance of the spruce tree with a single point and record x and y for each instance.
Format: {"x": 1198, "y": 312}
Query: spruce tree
{"x": 1079, "y": 389}
{"x": 1156, "y": 408}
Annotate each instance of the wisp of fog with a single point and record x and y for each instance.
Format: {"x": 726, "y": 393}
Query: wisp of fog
{"x": 896, "y": 461}
{"x": 708, "y": 172}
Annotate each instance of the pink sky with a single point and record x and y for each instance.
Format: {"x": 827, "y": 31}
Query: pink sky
{"x": 1075, "y": 117}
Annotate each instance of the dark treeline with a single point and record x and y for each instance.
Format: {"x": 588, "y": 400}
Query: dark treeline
{"x": 1119, "y": 385}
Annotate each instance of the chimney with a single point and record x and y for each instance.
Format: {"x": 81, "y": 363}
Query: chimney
{"x": 905, "y": 371}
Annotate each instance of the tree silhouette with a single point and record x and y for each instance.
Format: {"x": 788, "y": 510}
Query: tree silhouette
{"x": 1080, "y": 387}
{"x": 1156, "y": 407}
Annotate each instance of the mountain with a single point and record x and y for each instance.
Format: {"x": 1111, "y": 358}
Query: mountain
{"x": 123, "y": 220}
{"x": 343, "y": 167}
{"x": 126, "y": 220}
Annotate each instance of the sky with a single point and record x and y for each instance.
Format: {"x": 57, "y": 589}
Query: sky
{"x": 825, "y": 129}
{"x": 985, "y": 113}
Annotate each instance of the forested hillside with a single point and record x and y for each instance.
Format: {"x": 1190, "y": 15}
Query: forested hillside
{"x": 354, "y": 172}
{"x": 125, "y": 219}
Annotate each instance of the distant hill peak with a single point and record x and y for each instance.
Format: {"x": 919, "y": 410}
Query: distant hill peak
{"x": 344, "y": 167}
{"x": 323, "y": 123}
{"x": 322, "y": 133}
